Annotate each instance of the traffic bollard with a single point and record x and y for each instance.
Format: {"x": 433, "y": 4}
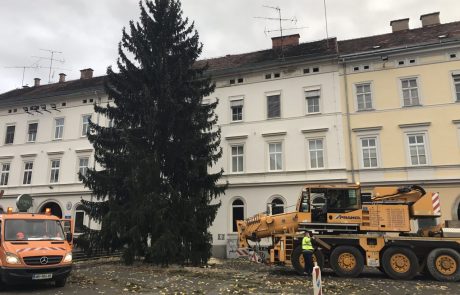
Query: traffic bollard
{"x": 317, "y": 287}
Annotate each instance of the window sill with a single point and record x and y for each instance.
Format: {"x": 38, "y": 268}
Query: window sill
{"x": 369, "y": 168}
{"x": 313, "y": 114}
{"x": 413, "y": 106}
{"x": 27, "y": 142}
{"x": 57, "y": 139}
{"x": 365, "y": 110}
{"x": 320, "y": 168}
{"x": 275, "y": 171}
{"x": 236, "y": 122}
{"x": 274, "y": 118}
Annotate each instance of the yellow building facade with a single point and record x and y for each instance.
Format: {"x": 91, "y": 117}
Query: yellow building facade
{"x": 402, "y": 102}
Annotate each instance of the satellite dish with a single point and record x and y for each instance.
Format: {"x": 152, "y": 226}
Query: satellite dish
{"x": 24, "y": 202}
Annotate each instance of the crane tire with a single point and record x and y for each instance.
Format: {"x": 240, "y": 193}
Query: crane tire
{"x": 444, "y": 264}
{"x": 347, "y": 261}
{"x": 400, "y": 263}
{"x": 298, "y": 262}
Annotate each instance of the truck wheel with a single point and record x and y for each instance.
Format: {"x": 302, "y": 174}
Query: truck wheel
{"x": 60, "y": 283}
{"x": 347, "y": 261}
{"x": 444, "y": 264}
{"x": 299, "y": 264}
{"x": 400, "y": 263}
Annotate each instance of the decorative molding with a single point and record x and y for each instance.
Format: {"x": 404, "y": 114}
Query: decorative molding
{"x": 55, "y": 153}
{"x": 318, "y": 130}
{"x": 235, "y": 137}
{"x": 414, "y": 125}
{"x": 456, "y": 121}
{"x": 364, "y": 129}
{"x": 6, "y": 157}
{"x": 279, "y": 133}
{"x": 84, "y": 151}
{"x": 28, "y": 155}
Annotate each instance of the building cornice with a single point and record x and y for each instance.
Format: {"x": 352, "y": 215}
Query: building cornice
{"x": 365, "y": 129}
{"x": 275, "y": 133}
{"x": 317, "y": 130}
{"x": 414, "y": 125}
{"x": 235, "y": 137}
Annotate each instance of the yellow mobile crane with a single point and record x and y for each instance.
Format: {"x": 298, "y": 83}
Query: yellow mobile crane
{"x": 396, "y": 230}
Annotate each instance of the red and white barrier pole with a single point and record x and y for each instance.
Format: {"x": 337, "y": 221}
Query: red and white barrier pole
{"x": 317, "y": 286}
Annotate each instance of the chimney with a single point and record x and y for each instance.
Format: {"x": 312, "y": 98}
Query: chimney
{"x": 291, "y": 40}
{"x": 36, "y": 82}
{"x": 62, "y": 77}
{"x": 86, "y": 74}
{"x": 399, "y": 25}
{"x": 430, "y": 19}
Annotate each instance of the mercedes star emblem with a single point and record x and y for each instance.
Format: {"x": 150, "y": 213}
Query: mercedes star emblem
{"x": 44, "y": 260}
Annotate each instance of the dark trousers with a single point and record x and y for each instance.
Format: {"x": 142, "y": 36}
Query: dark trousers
{"x": 307, "y": 258}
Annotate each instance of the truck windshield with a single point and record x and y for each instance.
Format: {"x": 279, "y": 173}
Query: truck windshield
{"x": 33, "y": 230}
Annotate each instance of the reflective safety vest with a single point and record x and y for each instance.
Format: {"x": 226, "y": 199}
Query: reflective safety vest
{"x": 306, "y": 244}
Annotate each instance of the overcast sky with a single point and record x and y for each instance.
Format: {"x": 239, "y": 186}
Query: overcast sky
{"x": 87, "y": 31}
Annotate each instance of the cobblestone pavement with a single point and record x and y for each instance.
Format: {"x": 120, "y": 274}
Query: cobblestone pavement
{"x": 222, "y": 277}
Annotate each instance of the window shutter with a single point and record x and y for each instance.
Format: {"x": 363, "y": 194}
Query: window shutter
{"x": 273, "y": 102}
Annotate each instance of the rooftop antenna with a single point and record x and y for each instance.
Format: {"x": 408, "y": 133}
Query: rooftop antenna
{"x": 33, "y": 66}
{"x": 325, "y": 19}
{"x": 51, "y": 59}
{"x": 280, "y": 19}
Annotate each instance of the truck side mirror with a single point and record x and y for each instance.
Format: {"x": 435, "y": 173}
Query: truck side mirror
{"x": 68, "y": 237}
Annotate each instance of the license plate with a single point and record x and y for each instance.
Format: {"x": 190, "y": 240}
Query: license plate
{"x": 42, "y": 276}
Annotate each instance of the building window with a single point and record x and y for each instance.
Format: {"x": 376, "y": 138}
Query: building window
{"x": 277, "y": 206}
{"x": 237, "y": 213}
{"x": 55, "y": 166}
{"x": 273, "y": 106}
{"x": 369, "y": 152}
{"x": 32, "y": 132}
{"x": 275, "y": 153}
{"x": 410, "y": 92}
{"x": 58, "y": 128}
{"x": 79, "y": 219}
{"x": 9, "y": 137}
{"x": 237, "y": 158}
{"x": 83, "y": 165}
{"x": 5, "y": 174}
{"x": 312, "y": 100}
{"x": 456, "y": 79}
{"x": 417, "y": 149}
{"x": 236, "y": 107}
{"x": 364, "y": 96}
{"x": 316, "y": 150}
{"x": 28, "y": 167}
{"x": 85, "y": 124}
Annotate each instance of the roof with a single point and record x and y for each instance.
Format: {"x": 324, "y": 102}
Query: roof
{"x": 55, "y": 89}
{"x": 418, "y": 36}
{"x": 236, "y": 62}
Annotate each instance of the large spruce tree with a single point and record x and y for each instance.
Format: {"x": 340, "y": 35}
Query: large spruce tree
{"x": 153, "y": 188}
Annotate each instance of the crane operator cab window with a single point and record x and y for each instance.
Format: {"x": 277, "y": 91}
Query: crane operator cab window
{"x": 342, "y": 200}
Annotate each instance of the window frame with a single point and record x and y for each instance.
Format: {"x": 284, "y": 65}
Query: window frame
{"x": 238, "y": 155}
{"x": 28, "y": 132}
{"x": 323, "y": 141}
{"x": 6, "y": 133}
{"x": 355, "y": 89}
{"x": 232, "y": 206}
{"x": 235, "y": 99}
{"x": 425, "y": 145}
{"x": 77, "y": 210}
{"x": 281, "y": 143}
{"x": 55, "y": 126}
{"x": 79, "y": 167}
{"x": 419, "y": 91}
{"x": 7, "y": 172}
{"x": 306, "y": 99}
{"x": 83, "y": 124}
{"x": 456, "y": 95}
{"x": 375, "y": 137}
{"x": 269, "y": 94}
{"x": 25, "y": 170}
{"x": 51, "y": 170}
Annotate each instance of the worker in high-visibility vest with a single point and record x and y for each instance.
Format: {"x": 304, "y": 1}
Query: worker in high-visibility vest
{"x": 307, "y": 252}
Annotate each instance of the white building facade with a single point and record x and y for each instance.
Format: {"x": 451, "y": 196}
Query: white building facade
{"x": 44, "y": 145}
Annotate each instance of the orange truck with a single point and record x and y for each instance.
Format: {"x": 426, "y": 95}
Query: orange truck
{"x": 34, "y": 247}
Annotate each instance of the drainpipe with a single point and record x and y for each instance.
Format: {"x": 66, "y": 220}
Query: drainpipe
{"x": 350, "y": 147}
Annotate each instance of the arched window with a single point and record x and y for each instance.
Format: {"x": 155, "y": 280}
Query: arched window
{"x": 237, "y": 212}
{"x": 79, "y": 219}
{"x": 277, "y": 206}
{"x": 458, "y": 212}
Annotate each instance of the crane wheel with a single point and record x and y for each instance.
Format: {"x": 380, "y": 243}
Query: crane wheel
{"x": 400, "y": 263}
{"x": 347, "y": 261}
{"x": 444, "y": 264}
{"x": 299, "y": 264}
